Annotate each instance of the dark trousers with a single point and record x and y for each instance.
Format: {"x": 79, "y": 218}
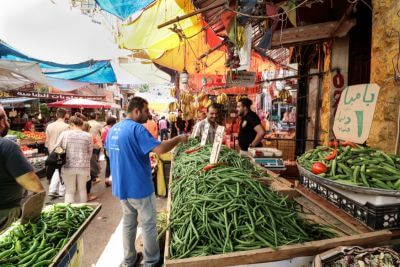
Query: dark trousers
{"x": 164, "y": 134}
{"x": 88, "y": 186}
{"x": 50, "y": 169}
{"x": 108, "y": 170}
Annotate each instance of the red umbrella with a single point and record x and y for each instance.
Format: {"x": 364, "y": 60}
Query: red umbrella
{"x": 79, "y": 103}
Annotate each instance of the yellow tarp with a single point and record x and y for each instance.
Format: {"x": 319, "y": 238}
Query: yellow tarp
{"x": 142, "y": 33}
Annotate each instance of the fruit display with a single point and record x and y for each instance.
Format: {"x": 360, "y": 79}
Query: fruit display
{"x": 222, "y": 99}
{"x": 220, "y": 208}
{"x": 36, "y": 136}
{"x": 172, "y": 117}
{"x": 19, "y": 135}
{"x": 238, "y": 97}
{"x": 37, "y": 243}
{"x": 351, "y": 164}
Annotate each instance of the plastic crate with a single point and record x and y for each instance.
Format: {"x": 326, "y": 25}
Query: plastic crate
{"x": 374, "y": 217}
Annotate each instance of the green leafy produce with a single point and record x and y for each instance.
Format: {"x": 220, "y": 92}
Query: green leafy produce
{"x": 19, "y": 135}
{"x": 356, "y": 165}
{"x": 224, "y": 209}
{"x": 37, "y": 243}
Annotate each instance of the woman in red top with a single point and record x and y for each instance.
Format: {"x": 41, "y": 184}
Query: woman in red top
{"x": 104, "y": 132}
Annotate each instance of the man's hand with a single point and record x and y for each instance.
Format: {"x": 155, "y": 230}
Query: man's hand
{"x": 168, "y": 145}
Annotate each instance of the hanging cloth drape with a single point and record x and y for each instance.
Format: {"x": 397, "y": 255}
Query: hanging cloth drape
{"x": 123, "y": 8}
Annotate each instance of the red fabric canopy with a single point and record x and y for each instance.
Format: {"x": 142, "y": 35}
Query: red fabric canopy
{"x": 79, "y": 103}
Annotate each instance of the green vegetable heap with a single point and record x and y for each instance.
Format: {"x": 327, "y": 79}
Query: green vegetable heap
{"x": 19, "y": 135}
{"x": 354, "y": 165}
{"x": 224, "y": 209}
{"x": 37, "y": 243}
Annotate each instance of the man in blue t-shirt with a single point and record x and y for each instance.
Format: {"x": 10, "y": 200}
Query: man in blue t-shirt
{"x": 128, "y": 146}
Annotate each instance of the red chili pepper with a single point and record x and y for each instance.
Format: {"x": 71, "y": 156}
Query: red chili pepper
{"x": 332, "y": 155}
{"x": 318, "y": 168}
{"x": 348, "y": 143}
{"x": 212, "y": 166}
{"x": 190, "y": 151}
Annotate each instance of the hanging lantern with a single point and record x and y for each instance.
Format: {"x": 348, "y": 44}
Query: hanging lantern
{"x": 184, "y": 77}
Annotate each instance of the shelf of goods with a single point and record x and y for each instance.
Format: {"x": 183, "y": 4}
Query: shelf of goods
{"x": 362, "y": 181}
{"x": 224, "y": 215}
{"x": 28, "y": 138}
{"x": 52, "y": 240}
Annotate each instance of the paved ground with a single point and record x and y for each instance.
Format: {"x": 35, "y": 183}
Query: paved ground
{"x": 98, "y": 234}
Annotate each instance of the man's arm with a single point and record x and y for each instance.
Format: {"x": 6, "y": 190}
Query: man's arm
{"x": 30, "y": 181}
{"x": 260, "y": 135}
{"x": 168, "y": 145}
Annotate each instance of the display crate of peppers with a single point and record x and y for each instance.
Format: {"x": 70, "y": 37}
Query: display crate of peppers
{"x": 219, "y": 209}
{"x": 45, "y": 241}
{"x": 354, "y": 165}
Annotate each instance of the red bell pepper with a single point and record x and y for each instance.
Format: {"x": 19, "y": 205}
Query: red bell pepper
{"x": 318, "y": 168}
{"x": 332, "y": 155}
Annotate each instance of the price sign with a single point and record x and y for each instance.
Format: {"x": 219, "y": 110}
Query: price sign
{"x": 219, "y": 136}
{"x": 196, "y": 130}
{"x": 205, "y": 134}
{"x": 355, "y": 112}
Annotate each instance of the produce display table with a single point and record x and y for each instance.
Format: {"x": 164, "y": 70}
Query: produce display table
{"x": 349, "y": 231}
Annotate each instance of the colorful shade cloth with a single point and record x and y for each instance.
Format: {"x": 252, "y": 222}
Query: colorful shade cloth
{"x": 123, "y": 8}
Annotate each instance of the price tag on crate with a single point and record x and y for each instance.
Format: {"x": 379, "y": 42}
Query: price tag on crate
{"x": 205, "y": 134}
{"x": 219, "y": 136}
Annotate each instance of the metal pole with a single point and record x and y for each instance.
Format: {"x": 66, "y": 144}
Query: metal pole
{"x": 201, "y": 10}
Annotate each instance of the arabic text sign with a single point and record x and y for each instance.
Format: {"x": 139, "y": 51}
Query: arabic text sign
{"x": 355, "y": 112}
{"x": 219, "y": 135}
{"x": 240, "y": 78}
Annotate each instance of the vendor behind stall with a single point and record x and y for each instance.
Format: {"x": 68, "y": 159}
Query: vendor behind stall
{"x": 16, "y": 174}
{"x": 251, "y": 131}
{"x": 212, "y": 115}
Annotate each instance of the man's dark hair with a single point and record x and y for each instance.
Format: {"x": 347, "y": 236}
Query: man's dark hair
{"x": 214, "y": 106}
{"x": 111, "y": 120}
{"x": 246, "y": 102}
{"x": 61, "y": 113}
{"x": 179, "y": 110}
{"x": 163, "y": 117}
{"x": 92, "y": 115}
{"x": 136, "y": 102}
{"x": 150, "y": 117}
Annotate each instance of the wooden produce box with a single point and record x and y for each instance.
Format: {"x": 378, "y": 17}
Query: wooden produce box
{"x": 349, "y": 234}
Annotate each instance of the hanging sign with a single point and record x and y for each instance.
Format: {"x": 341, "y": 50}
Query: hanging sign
{"x": 219, "y": 136}
{"x": 205, "y": 134}
{"x": 240, "y": 79}
{"x": 355, "y": 112}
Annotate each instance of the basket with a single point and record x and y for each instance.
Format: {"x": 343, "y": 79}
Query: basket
{"x": 374, "y": 217}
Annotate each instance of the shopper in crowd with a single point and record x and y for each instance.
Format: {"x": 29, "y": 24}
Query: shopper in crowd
{"x": 16, "y": 174}
{"x": 53, "y": 132}
{"x": 111, "y": 121}
{"x": 86, "y": 128}
{"x": 173, "y": 129}
{"x": 189, "y": 125}
{"x": 251, "y": 131}
{"x": 128, "y": 145}
{"x": 163, "y": 126}
{"x": 151, "y": 126}
{"x": 200, "y": 128}
{"x": 79, "y": 149}
{"x": 95, "y": 130}
{"x": 180, "y": 123}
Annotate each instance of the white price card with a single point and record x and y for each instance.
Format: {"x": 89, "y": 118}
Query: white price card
{"x": 205, "y": 134}
{"x": 355, "y": 112}
{"x": 219, "y": 136}
{"x": 196, "y": 130}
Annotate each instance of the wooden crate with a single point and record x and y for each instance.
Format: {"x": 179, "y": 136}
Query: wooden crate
{"x": 350, "y": 234}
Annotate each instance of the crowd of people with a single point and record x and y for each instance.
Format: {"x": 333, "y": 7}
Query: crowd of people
{"x": 75, "y": 144}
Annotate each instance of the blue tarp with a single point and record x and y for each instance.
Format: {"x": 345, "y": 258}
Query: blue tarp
{"x": 123, "y": 8}
{"x": 89, "y": 71}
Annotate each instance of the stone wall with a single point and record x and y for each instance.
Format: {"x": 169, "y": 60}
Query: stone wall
{"x": 385, "y": 29}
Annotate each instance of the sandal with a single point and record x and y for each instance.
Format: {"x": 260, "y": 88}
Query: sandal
{"x": 91, "y": 198}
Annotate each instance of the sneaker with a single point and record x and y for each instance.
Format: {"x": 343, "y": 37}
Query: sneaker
{"x": 54, "y": 195}
{"x": 139, "y": 258}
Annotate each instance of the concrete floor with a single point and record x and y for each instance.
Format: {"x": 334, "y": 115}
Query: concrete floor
{"x": 98, "y": 234}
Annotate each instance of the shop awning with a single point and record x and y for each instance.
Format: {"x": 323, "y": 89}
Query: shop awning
{"x": 123, "y": 8}
{"x": 142, "y": 33}
{"x": 79, "y": 103}
{"x": 89, "y": 71}
{"x": 15, "y": 100}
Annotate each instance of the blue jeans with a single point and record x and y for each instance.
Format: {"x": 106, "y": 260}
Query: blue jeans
{"x": 144, "y": 210}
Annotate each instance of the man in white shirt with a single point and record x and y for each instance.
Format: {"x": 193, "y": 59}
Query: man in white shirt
{"x": 211, "y": 120}
{"x": 53, "y": 131}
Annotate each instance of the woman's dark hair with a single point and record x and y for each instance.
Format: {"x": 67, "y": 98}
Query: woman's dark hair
{"x": 75, "y": 120}
{"x": 136, "y": 102}
{"x": 246, "y": 102}
{"x": 81, "y": 116}
{"x": 111, "y": 120}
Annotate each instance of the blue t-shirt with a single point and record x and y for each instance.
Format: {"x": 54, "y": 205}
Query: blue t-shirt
{"x": 128, "y": 146}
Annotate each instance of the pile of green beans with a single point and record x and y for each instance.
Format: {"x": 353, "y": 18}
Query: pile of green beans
{"x": 37, "y": 243}
{"x": 225, "y": 209}
{"x": 360, "y": 166}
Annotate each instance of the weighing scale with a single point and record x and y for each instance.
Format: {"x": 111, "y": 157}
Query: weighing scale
{"x": 270, "y": 163}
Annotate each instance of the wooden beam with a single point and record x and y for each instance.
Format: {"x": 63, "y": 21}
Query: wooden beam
{"x": 313, "y": 32}
{"x": 201, "y": 10}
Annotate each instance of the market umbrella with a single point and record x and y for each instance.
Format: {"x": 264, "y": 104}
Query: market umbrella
{"x": 79, "y": 103}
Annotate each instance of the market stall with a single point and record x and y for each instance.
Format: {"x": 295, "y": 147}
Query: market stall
{"x": 222, "y": 214}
